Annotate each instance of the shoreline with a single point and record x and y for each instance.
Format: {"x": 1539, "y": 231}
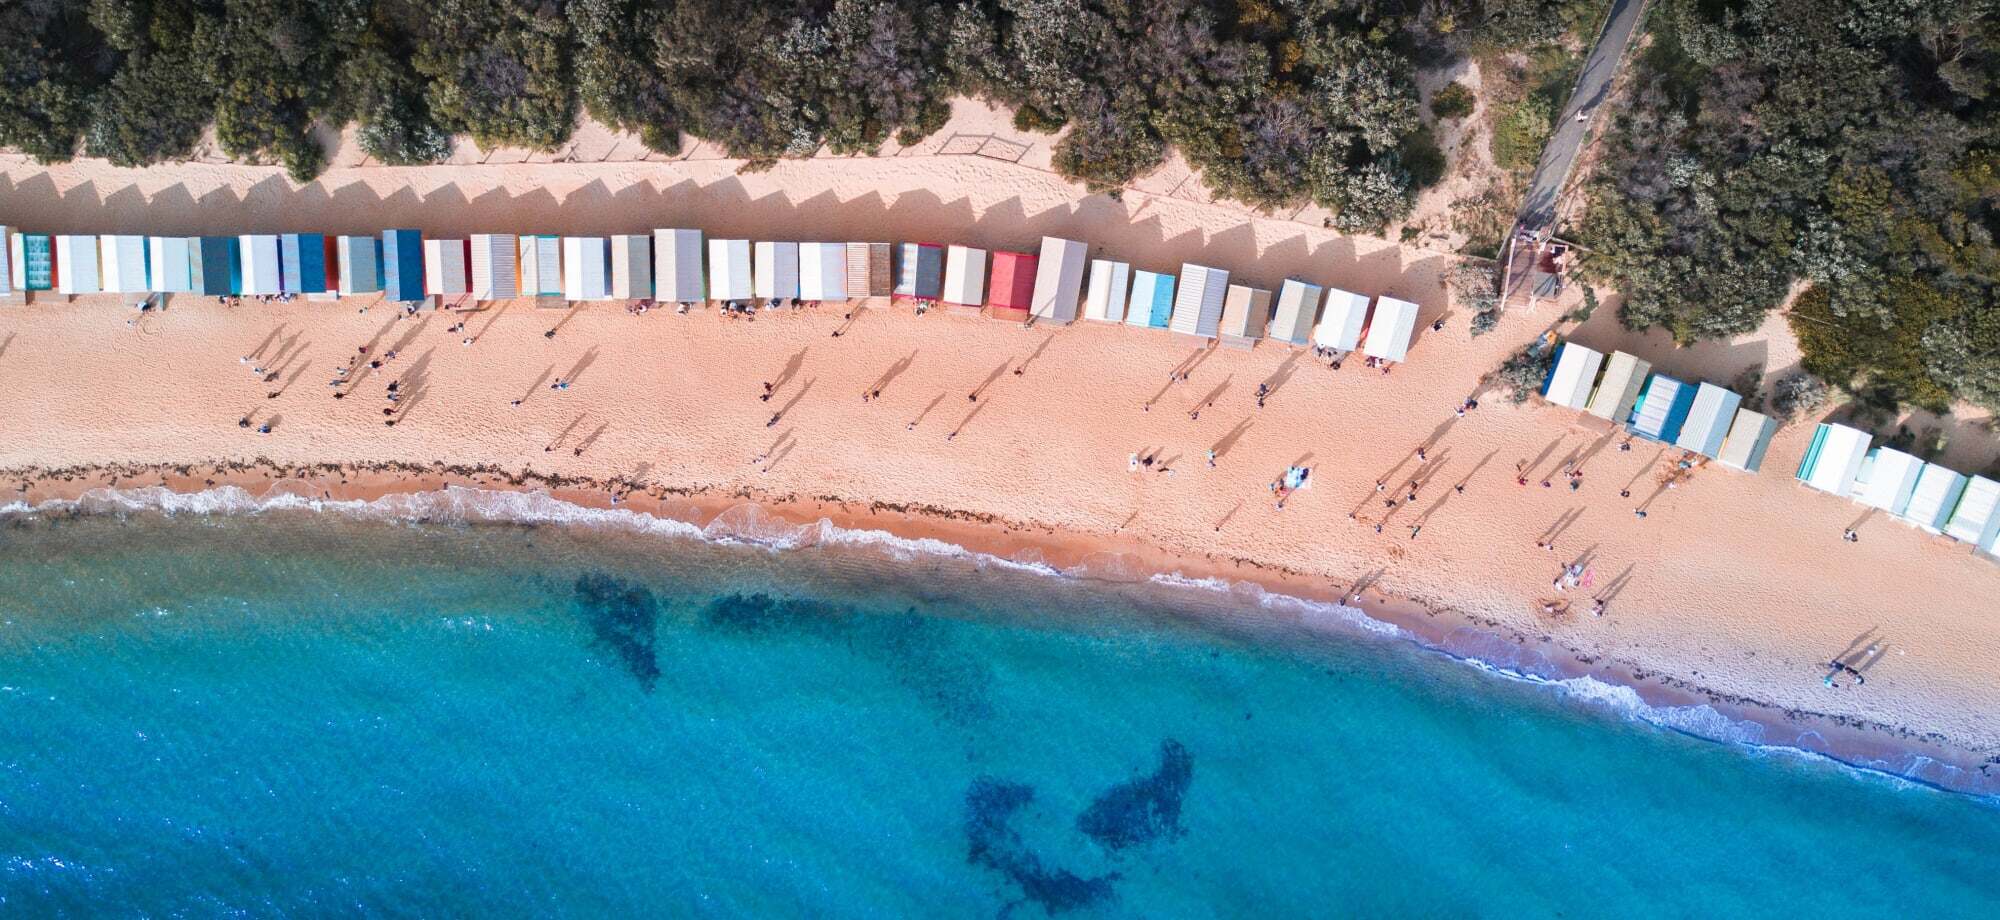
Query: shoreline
{"x": 1927, "y": 759}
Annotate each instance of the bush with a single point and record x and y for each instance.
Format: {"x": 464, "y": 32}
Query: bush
{"x": 1452, "y": 101}
{"x": 1485, "y": 321}
{"x": 1796, "y": 394}
{"x": 1422, "y": 159}
{"x": 1519, "y": 135}
{"x": 1523, "y": 373}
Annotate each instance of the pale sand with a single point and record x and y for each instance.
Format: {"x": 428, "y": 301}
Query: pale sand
{"x": 1737, "y": 584}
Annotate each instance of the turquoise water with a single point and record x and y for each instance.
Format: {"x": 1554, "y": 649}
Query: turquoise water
{"x": 310, "y": 714}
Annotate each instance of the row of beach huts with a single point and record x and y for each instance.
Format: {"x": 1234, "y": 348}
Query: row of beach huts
{"x": 1056, "y": 284}
{"x": 1711, "y": 421}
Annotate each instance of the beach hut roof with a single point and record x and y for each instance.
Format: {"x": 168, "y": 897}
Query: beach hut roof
{"x": 77, "y": 265}
{"x": 1618, "y": 389}
{"x": 1708, "y": 419}
{"x": 302, "y": 263}
{"x": 1833, "y": 459}
{"x": 1059, "y": 279}
{"x": 1152, "y": 301}
{"x": 1341, "y": 322}
{"x": 1245, "y": 312}
{"x": 169, "y": 272}
{"x": 402, "y": 265}
{"x": 1198, "y": 304}
{"x": 444, "y": 268}
{"x": 1977, "y": 515}
{"x": 586, "y": 268}
{"x": 776, "y": 271}
{"x": 7, "y": 269}
{"x": 259, "y": 254}
{"x": 677, "y": 276}
{"x": 729, "y": 270}
{"x": 1886, "y": 479}
{"x": 823, "y": 271}
{"x": 358, "y": 262}
{"x": 1662, "y": 407}
{"x": 1298, "y": 309}
{"x": 920, "y": 272}
{"x": 964, "y": 276}
{"x": 124, "y": 260}
{"x": 1572, "y": 376}
{"x": 495, "y": 266}
{"x": 632, "y": 266}
{"x": 1389, "y": 332}
{"x": 858, "y": 275}
{"x": 1937, "y": 490}
{"x": 1105, "y": 294}
{"x": 1012, "y": 289}
{"x": 1748, "y": 439}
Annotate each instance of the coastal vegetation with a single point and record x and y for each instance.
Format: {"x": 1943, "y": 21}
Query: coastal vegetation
{"x": 1842, "y": 157}
{"x": 1279, "y": 103}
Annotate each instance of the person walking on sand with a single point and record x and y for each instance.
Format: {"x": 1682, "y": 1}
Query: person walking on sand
{"x": 1211, "y": 457}
{"x": 1132, "y": 463}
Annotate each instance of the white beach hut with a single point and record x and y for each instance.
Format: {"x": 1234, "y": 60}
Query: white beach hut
{"x": 1246, "y": 311}
{"x": 1297, "y": 310}
{"x": 1059, "y": 280}
{"x": 124, "y": 264}
{"x": 1618, "y": 389}
{"x": 169, "y": 271}
{"x": 729, "y": 270}
{"x": 358, "y": 262}
{"x": 445, "y": 272}
{"x": 1708, "y": 420}
{"x": 259, "y": 253}
{"x": 677, "y": 266}
{"x": 1748, "y": 439}
{"x": 1389, "y": 332}
{"x": 1104, "y": 296}
{"x": 1977, "y": 516}
{"x": 495, "y": 271}
{"x": 823, "y": 271}
{"x": 777, "y": 271}
{"x": 77, "y": 265}
{"x": 1937, "y": 492}
{"x": 1886, "y": 479}
{"x": 1198, "y": 302}
{"x": 586, "y": 268}
{"x": 7, "y": 269}
{"x": 632, "y": 266}
{"x": 1573, "y": 377}
{"x": 1833, "y": 459}
{"x": 541, "y": 265}
{"x": 1341, "y": 322}
{"x": 964, "y": 276}
{"x": 1151, "y": 303}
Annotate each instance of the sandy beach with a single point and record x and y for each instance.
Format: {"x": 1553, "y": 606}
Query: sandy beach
{"x": 1734, "y": 588}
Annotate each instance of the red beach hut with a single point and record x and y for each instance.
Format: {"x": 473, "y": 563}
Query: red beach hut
{"x": 1010, "y": 291}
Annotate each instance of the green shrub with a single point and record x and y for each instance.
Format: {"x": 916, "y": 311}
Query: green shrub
{"x": 1453, "y": 101}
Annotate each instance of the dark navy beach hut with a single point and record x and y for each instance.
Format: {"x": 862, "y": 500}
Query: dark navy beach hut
{"x": 302, "y": 257}
{"x": 403, "y": 264}
{"x": 215, "y": 269}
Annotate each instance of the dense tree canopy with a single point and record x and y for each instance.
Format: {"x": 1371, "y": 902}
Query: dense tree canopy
{"x": 1850, "y": 146}
{"x": 1279, "y": 102}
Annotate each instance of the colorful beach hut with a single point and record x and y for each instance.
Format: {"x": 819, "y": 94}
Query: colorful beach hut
{"x": 169, "y": 271}
{"x": 1058, "y": 280}
{"x": 33, "y": 261}
{"x": 1198, "y": 302}
{"x": 823, "y": 271}
{"x": 540, "y": 265}
{"x": 1152, "y": 302}
{"x": 302, "y": 263}
{"x": 359, "y": 263}
{"x": 403, "y": 265}
{"x": 677, "y": 274}
{"x": 1708, "y": 420}
{"x": 1976, "y": 519}
{"x": 1886, "y": 479}
{"x": 215, "y": 266}
{"x": 445, "y": 269}
{"x": 964, "y": 277}
{"x": 495, "y": 266}
{"x": 920, "y": 273}
{"x": 729, "y": 270}
{"x": 1298, "y": 309}
{"x": 586, "y": 268}
{"x": 1937, "y": 491}
{"x": 777, "y": 271}
{"x": 1662, "y": 408}
{"x": 1245, "y": 313}
{"x": 1618, "y": 389}
{"x": 1390, "y": 329}
{"x": 1748, "y": 439}
{"x": 124, "y": 264}
{"x": 1011, "y": 292}
{"x": 1834, "y": 458}
{"x": 1104, "y": 297}
{"x": 1340, "y": 324}
{"x": 1572, "y": 376}
{"x": 632, "y": 266}
{"x": 77, "y": 264}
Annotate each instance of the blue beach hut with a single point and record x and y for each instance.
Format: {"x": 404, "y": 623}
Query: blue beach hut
{"x": 1152, "y": 302}
{"x": 302, "y": 257}
{"x": 403, "y": 264}
{"x": 215, "y": 268}
{"x": 1662, "y": 409}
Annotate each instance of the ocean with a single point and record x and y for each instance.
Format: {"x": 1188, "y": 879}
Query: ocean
{"x": 409, "y": 709}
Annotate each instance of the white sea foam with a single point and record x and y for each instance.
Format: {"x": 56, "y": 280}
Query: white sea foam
{"x": 1310, "y": 612}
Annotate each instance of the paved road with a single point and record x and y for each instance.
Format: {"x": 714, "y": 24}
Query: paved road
{"x": 1559, "y": 156}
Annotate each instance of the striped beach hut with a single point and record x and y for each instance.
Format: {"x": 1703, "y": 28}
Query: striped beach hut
{"x": 1976, "y": 518}
{"x": 1662, "y": 408}
{"x": 1340, "y": 324}
{"x": 259, "y": 253}
{"x": 1058, "y": 280}
{"x": 1152, "y": 302}
{"x": 632, "y": 266}
{"x": 920, "y": 271}
{"x": 1104, "y": 297}
{"x": 729, "y": 270}
{"x": 1390, "y": 329}
{"x": 1748, "y": 439}
{"x": 823, "y": 271}
{"x": 677, "y": 276}
{"x": 359, "y": 263}
{"x": 170, "y": 271}
{"x": 77, "y": 265}
{"x": 1011, "y": 292}
{"x": 1198, "y": 301}
{"x": 495, "y": 266}
{"x": 446, "y": 273}
{"x": 881, "y": 270}
{"x": 540, "y": 265}
{"x": 403, "y": 265}
{"x": 1572, "y": 376}
{"x": 857, "y": 270}
{"x": 1834, "y": 458}
{"x": 1618, "y": 389}
{"x": 1298, "y": 309}
{"x": 1887, "y": 478}
{"x": 302, "y": 263}
{"x": 1245, "y": 313}
{"x": 777, "y": 271}
{"x": 586, "y": 269}
{"x": 964, "y": 277}
{"x": 216, "y": 265}
{"x": 32, "y": 258}
{"x": 1936, "y": 493}
{"x": 1708, "y": 420}
{"x": 124, "y": 266}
